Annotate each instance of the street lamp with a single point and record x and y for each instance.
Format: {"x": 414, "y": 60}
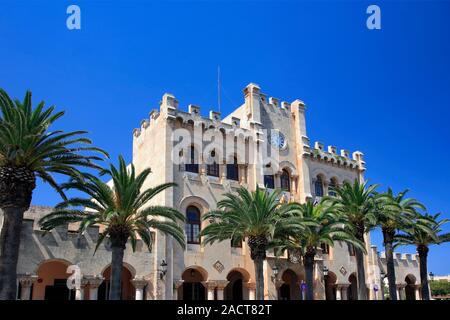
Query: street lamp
{"x": 275, "y": 272}
{"x": 163, "y": 270}
{"x": 325, "y": 270}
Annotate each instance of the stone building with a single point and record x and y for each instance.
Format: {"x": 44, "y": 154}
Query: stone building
{"x": 263, "y": 143}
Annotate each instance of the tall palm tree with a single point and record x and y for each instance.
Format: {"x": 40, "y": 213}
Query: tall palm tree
{"x": 424, "y": 231}
{"x": 394, "y": 212}
{"x": 29, "y": 150}
{"x": 122, "y": 209}
{"x": 322, "y": 226}
{"x": 257, "y": 216}
{"x": 356, "y": 205}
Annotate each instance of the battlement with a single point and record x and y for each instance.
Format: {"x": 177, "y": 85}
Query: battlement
{"x": 169, "y": 109}
{"x": 35, "y": 213}
{"x": 401, "y": 257}
{"x": 331, "y": 155}
{"x": 61, "y": 234}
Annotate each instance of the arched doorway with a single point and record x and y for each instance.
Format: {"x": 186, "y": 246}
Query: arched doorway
{"x": 290, "y": 289}
{"x": 352, "y": 291}
{"x": 193, "y": 288}
{"x": 330, "y": 286}
{"x": 410, "y": 287}
{"x": 52, "y": 282}
{"x": 127, "y": 288}
{"x": 235, "y": 288}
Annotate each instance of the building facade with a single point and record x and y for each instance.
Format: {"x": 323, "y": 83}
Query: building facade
{"x": 263, "y": 143}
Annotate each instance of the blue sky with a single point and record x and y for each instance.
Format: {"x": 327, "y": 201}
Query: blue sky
{"x": 385, "y": 92}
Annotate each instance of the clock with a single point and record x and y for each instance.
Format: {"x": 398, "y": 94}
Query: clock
{"x": 277, "y": 139}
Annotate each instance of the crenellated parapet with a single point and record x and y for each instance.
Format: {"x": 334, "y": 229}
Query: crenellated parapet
{"x": 273, "y": 105}
{"x": 64, "y": 233}
{"x": 330, "y": 155}
{"x": 66, "y": 246}
{"x": 401, "y": 257}
{"x": 406, "y": 269}
{"x": 247, "y": 117}
{"x": 169, "y": 111}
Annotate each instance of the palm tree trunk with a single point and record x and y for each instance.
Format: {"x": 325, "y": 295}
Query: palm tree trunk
{"x": 361, "y": 272}
{"x": 423, "y": 255}
{"x": 309, "y": 270}
{"x": 388, "y": 238}
{"x": 259, "y": 277}
{"x": 10, "y": 244}
{"x": 16, "y": 189}
{"x": 258, "y": 246}
{"x": 116, "y": 272}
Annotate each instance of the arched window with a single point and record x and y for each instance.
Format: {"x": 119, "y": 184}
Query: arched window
{"x": 193, "y": 225}
{"x": 212, "y": 169}
{"x": 192, "y": 166}
{"x": 233, "y": 170}
{"x": 285, "y": 180}
{"x": 318, "y": 186}
{"x": 332, "y": 187}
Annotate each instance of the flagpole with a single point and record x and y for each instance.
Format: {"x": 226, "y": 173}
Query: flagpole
{"x": 218, "y": 87}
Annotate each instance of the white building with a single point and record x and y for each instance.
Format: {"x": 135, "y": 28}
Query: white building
{"x": 204, "y": 172}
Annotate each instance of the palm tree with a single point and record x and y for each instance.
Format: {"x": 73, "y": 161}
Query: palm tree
{"x": 122, "y": 209}
{"x": 356, "y": 205}
{"x": 394, "y": 212}
{"x": 29, "y": 150}
{"x": 322, "y": 226}
{"x": 257, "y": 216}
{"x": 424, "y": 231}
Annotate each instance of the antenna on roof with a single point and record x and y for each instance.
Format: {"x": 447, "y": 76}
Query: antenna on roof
{"x": 218, "y": 87}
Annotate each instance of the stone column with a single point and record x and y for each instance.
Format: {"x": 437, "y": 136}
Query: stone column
{"x": 139, "y": 284}
{"x": 223, "y": 175}
{"x": 210, "y": 286}
{"x": 338, "y": 293}
{"x": 178, "y": 284}
{"x": 242, "y": 177}
{"x": 221, "y": 284}
{"x": 94, "y": 283}
{"x": 400, "y": 288}
{"x": 293, "y": 184}
{"x": 342, "y": 289}
{"x": 26, "y": 282}
{"x": 79, "y": 292}
{"x": 251, "y": 286}
{"x": 417, "y": 291}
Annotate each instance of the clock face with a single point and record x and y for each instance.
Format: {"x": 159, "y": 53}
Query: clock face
{"x": 277, "y": 139}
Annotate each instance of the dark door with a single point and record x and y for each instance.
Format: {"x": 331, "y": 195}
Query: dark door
{"x": 237, "y": 290}
{"x": 193, "y": 291}
{"x": 59, "y": 291}
{"x": 103, "y": 291}
{"x": 410, "y": 292}
{"x": 285, "y": 292}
